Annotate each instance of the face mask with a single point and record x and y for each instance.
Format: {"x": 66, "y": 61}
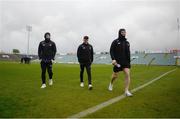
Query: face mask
{"x": 120, "y": 35}
{"x": 47, "y": 39}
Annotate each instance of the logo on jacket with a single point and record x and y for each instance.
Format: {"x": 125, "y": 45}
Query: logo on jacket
{"x": 83, "y": 47}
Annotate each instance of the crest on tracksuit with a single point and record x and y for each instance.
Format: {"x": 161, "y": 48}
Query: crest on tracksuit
{"x": 83, "y": 47}
{"x": 89, "y": 48}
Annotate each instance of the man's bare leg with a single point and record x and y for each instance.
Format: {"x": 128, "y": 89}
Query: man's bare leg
{"x": 127, "y": 81}
{"x": 113, "y": 78}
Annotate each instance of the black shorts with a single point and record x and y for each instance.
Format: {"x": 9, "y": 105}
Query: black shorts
{"x": 117, "y": 69}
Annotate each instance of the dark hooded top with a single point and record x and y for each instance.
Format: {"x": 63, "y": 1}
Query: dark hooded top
{"x": 85, "y": 53}
{"x": 120, "y": 50}
{"x": 46, "y": 49}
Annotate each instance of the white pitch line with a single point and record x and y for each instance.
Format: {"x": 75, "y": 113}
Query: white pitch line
{"x": 116, "y": 99}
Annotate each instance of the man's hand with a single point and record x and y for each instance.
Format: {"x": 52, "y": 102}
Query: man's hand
{"x": 53, "y": 61}
{"x": 114, "y": 62}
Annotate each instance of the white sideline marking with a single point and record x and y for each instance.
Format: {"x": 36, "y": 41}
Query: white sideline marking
{"x": 116, "y": 99}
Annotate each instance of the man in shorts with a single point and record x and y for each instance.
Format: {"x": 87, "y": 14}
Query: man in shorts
{"x": 120, "y": 55}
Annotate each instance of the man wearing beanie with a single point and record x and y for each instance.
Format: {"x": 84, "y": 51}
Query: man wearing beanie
{"x": 46, "y": 53}
{"x": 120, "y": 55}
{"x": 85, "y": 58}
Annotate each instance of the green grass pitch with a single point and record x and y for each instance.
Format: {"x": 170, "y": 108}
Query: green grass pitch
{"x": 21, "y": 96}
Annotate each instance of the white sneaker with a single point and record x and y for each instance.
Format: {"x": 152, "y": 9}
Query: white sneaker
{"x": 43, "y": 86}
{"x": 82, "y": 84}
{"x": 110, "y": 87}
{"x": 90, "y": 87}
{"x": 128, "y": 94}
{"x": 50, "y": 82}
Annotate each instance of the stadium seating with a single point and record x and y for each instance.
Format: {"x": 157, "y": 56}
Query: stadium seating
{"x": 140, "y": 58}
{"x": 15, "y": 57}
{"x": 137, "y": 58}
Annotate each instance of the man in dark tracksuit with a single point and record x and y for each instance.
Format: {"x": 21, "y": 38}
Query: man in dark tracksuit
{"x": 120, "y": 55}
{"x": 85, "y": 58}
{"x": 46, "y": 53}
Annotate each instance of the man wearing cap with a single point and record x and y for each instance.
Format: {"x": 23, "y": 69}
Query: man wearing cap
{"x": 46, "y": 53}
{"x": 120, "y": 55}
{"x": 85, "y": 58}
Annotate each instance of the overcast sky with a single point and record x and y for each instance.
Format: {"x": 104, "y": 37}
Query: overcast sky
{"x": 150, "y": 25}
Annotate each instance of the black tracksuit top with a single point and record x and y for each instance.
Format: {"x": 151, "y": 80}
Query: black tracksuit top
{"x": 47, "y": 50}
{"x": 85, "y": 53}
{"x": 120, "y": 51}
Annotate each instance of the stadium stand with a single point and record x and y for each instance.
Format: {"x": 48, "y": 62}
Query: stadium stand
{"x": 15, "y": 57}
{"x": 155, "y": 59}
{"x": 136, "y": 58}
{"x": 139, "y": 58}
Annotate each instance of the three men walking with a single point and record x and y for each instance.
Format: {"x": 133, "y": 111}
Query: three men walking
{"x": 119, "y": 51}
